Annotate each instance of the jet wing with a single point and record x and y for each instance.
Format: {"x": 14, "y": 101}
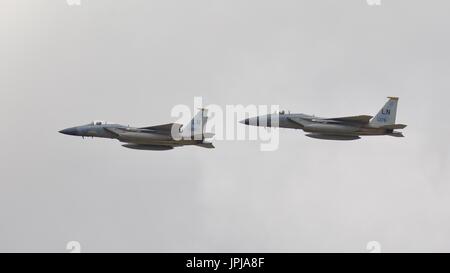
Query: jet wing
{"x": 394, "y": 126}
{"x": 164, "y": 127}
{"x": 299, "y": 121}
{"x": 115, "y": 131}
{"x": 356, "y": 119}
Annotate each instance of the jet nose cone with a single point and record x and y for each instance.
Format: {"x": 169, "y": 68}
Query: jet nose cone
{"x": 244, "y": 121}
{"x": 70, "y": 131}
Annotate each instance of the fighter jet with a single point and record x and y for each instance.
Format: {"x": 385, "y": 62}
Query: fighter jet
{"x": 156, "y": 138}
{"x": 340, "y": 128}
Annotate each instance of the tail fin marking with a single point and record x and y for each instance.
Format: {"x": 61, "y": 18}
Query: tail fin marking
{"x": 386, "y": 115}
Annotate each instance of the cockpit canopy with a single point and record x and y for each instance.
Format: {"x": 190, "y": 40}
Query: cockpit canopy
{"x": 98, "y": 122}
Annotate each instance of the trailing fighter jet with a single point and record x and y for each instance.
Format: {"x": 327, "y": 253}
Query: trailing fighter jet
{"x": 159, "y": 137}
{"x": 340, "y": 128}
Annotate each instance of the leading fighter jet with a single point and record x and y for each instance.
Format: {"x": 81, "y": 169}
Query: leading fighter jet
{"x": 340, "y": 128}
{"x": 159, "y": 137}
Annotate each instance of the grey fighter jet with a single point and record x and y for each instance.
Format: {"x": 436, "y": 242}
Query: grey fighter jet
{"x": 340, "y": 128}
{"x": 157, "y": 138}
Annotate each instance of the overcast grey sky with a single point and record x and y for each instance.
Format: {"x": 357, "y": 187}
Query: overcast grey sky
{"x": 132, "y": 61}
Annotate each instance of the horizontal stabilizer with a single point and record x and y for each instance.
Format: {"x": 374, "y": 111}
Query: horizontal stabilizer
{"x": 208, "y": 135}
{"x": 207, "y": 145}
{"x": 396, "y": 134}
{"x": 357, "y": 119}
{"x": 164, "y": 127}
{"x": 394, "y": 126}
{"x": 202, "y": 136}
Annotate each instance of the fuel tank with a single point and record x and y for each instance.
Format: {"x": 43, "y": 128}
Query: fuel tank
{"x": 332, "y": 137}
{"x": 147, "y": 147}
{"x": 143, "y": 138}
{"x": 330, "y": 128}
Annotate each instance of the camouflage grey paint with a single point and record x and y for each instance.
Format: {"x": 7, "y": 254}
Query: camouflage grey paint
{"x": 340, "y": 128}
{"x": 156, "y": 138}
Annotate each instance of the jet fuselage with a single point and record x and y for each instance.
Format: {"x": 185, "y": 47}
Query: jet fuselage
{"x": 339, "y": 128}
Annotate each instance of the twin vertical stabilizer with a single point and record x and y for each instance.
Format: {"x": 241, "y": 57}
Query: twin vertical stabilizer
{"x": 196, "y": 127}
{"x": 386, "y": 116}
